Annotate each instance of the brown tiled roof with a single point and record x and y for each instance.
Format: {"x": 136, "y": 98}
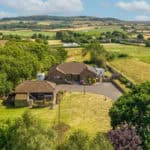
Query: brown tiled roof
{"x": 35, "y": 87}
{"x": 71, "y": 68}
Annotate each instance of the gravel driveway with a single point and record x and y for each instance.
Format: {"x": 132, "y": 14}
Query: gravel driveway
{"x": 107, "y": 89}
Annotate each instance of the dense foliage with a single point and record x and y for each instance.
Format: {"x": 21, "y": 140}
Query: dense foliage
{"x": 23, "y": 59}
{"x": 98, "y": 54}
{"x": 80, "y": 140}
{"x": 114, "y": 37}
{"x": 26, "y": 133}
{"x": 134, "y": 108}
{"x": 125, "y": 137}
{"x": 69, "y": 36}
{"x": 148, "y": 43}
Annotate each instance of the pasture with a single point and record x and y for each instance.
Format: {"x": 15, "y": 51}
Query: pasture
{"x": 27, "y": 33}
{"x": 140, "y": 53}
{"x": 137, "y": 71}
{"x": 136, "y": 66}
{"x": 88, "y": 112}
{"x": 98, "y": 30}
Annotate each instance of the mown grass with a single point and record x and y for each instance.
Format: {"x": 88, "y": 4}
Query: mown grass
{"x": 88, "y": 112}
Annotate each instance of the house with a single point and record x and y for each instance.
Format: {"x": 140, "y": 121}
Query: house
{"x": 70, "y": 72}
{"x": 38, "y": 92}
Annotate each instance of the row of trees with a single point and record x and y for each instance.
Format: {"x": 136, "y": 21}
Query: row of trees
{"x": 21, "y": 60}
{"x": 33, "y": 25}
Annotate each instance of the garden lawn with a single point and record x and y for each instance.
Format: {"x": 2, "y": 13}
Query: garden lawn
{"x": 88, "y": 112}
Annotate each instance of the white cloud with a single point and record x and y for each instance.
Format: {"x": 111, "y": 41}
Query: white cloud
{"x": 135, "y": 6}
{"x": 44, "y": 7}
{"x": 142, "y": 18}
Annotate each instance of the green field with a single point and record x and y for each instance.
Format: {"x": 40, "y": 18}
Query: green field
{"x": 27, "y": 33}
{"x": 135, "y": 52}
{"x": 97, "y": 31}
{"x": 136, "y": 66}
{"x": 92, "y": 118}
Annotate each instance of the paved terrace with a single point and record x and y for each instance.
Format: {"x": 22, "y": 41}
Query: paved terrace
{"x": 107, "y": 89}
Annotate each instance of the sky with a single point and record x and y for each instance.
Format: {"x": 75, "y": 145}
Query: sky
{"x": 121, "y": 9}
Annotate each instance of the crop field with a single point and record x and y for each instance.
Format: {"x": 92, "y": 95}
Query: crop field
{"x": 147, "y": 36}
{"x": 27, "y": 33}
{"x": 55, "y": 42}
{"x": 3, "y": 42}
{"x": 92, "y": 118}
{"x": 136, "y": 66}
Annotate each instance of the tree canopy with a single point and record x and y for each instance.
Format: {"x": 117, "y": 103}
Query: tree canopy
{"x": 134, "y": 108}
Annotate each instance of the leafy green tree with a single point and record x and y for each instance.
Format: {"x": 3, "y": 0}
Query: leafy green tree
{"x": 95, "y": 50}
{"x": 5, "y": 85}
{"x": 140, "y": 36}
{"x": 134, "y": 108}
{"x": 26, "y": 133}
{"x": 78, "y": 140}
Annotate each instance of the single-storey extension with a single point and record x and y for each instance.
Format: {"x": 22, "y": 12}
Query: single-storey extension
{"x": 70, "y": 72}
{"x": 33, "y": 91}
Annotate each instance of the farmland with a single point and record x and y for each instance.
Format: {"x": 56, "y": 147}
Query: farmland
{"x": 135, "y": 52}
{"x": 138, "y": 59}
{"x": 27, "y": 33}
{"x": 137, "y": 66}
{"x": 98, "y": 30}
{"x": 73, "y": 112}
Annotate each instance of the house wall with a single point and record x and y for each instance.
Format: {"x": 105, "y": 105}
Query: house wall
{"x": 87, "y": 74}
{"x": 56, "y": 76}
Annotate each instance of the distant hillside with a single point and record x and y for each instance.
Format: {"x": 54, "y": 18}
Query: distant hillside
{"x": 60, "y": 18}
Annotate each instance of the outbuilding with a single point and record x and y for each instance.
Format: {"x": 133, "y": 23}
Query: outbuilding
{"x": 38, "y": 92}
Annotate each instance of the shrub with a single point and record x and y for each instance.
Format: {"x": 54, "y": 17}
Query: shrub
{"x": 147, "y": 43}
{"x": 125, "y": 138}
{"x": 78, "y": 140}
{"x": 101, "y": 142}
